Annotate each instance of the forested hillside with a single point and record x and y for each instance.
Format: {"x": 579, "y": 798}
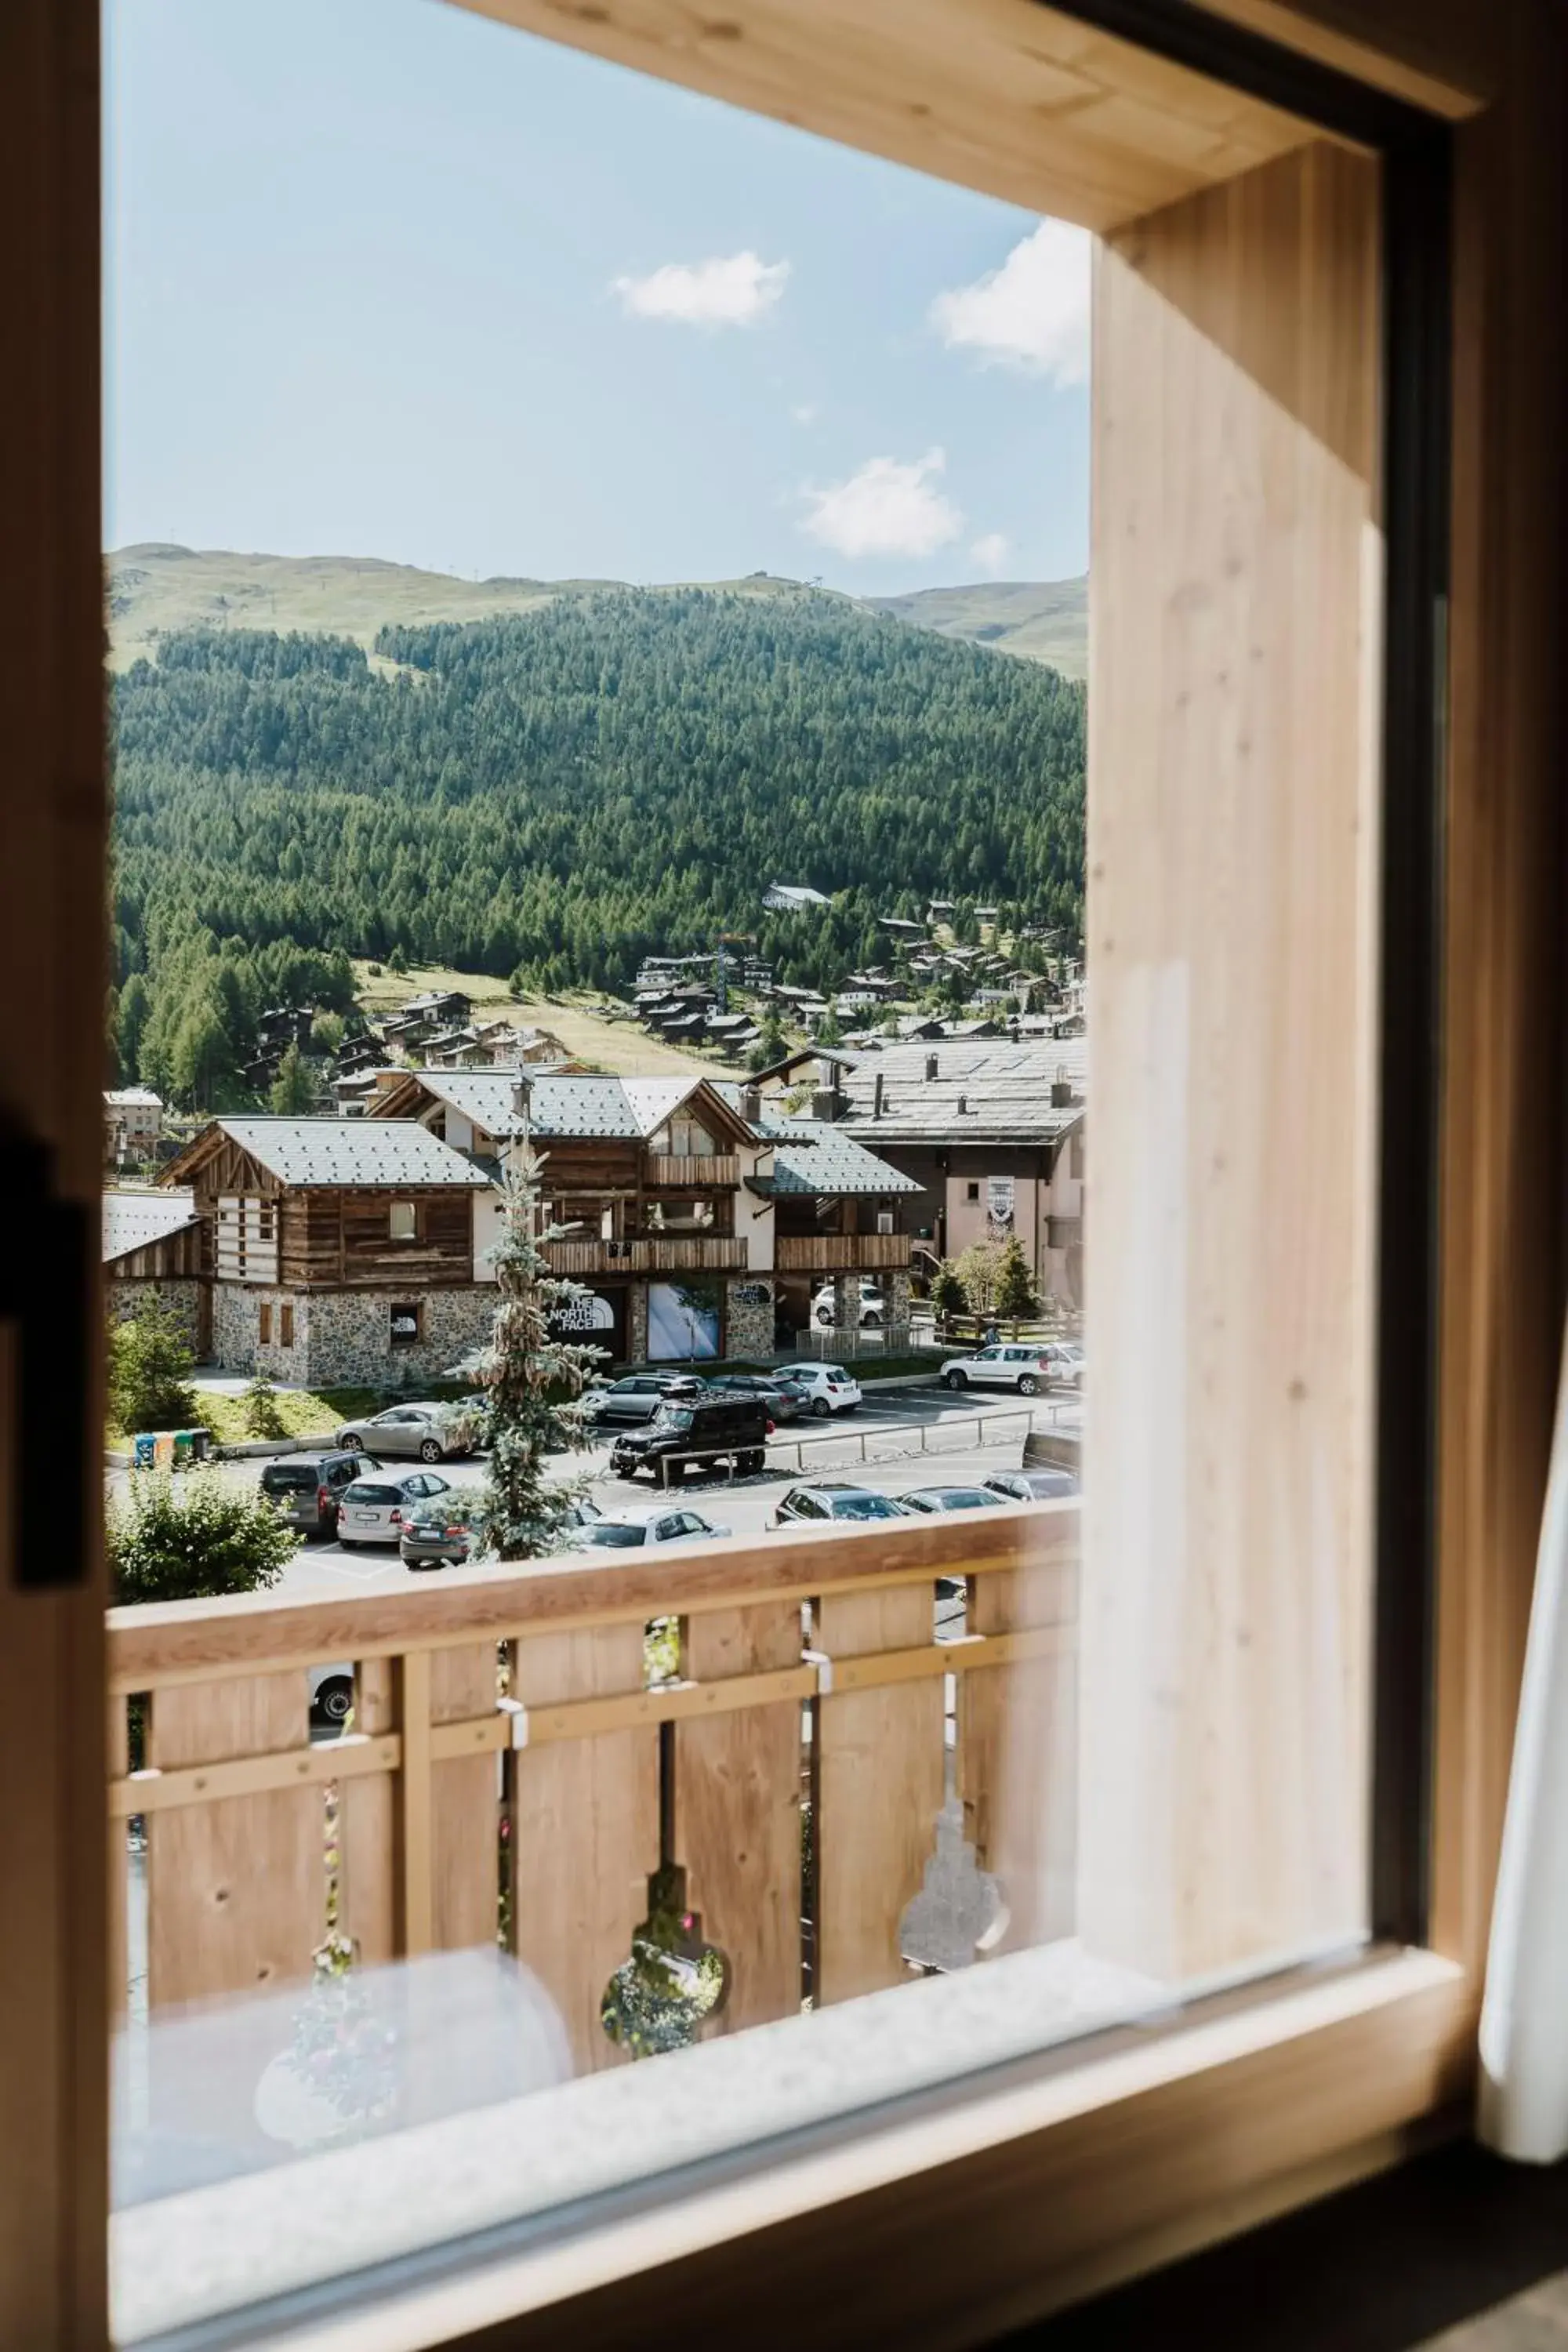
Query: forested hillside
{"x": 565, "y": 791}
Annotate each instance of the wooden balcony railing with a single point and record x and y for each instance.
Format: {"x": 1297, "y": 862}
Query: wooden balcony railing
{"x": 841, "y": 1253}
{"x": 671, "y": 1171}
{"x": 521, "y": 1699}
{"x": 668, "y": 1254}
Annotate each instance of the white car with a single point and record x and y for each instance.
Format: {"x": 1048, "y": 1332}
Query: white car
{"x": 824, "y": 1388}
{"x": 640, "y": 1524}
{"x": 1066, "y": 1362}
{"x": 375, "y": 1510}
{"x": 873, "y": 1307}
{"x": 1006, "y": 1366}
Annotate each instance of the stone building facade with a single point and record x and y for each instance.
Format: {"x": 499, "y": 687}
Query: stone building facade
{"x": 179, "y": 1297}
{"x": 749, "y": 1319}
{"x": 349, "y": 1338}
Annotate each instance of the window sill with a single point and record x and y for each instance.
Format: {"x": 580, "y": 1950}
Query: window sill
{"x": 958, "y": 2210}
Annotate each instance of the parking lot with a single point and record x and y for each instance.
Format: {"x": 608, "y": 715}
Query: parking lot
{"x": 900, "y": 1439}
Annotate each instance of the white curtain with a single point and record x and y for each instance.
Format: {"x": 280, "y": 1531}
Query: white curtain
{"x": 1523, "y": 2103}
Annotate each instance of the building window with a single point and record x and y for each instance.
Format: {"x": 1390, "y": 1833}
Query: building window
{"x": 972, "y": 1191}
{"x": 285, "y": 1326}
{"x": 264, "y": 1221}
{"x": 404, "y": 1221}
{"x": 405, "y": 1326}
{"x": 264, "y": 1326}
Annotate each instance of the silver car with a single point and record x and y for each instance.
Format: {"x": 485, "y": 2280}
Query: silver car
{"x": 425, "y": 1432}
{"x": 376, "y": 1510}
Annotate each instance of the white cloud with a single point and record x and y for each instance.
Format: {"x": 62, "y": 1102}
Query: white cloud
{"x": 727, "y": 290}
{"x": 886, "y": 507}
{"x": 806, "y": 414}
{"x": 1032, "y": 312}
{"x": 989, "y": 550}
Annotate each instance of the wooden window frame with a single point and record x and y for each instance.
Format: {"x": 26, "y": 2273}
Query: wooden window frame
{"x": 1180, "y": 2142}
{"x": 264, "y": 1324}
{"x": 285, "y": 1323}
{"x": 412, "y": 1208}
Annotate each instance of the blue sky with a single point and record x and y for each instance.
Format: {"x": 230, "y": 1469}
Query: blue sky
{"x": 385, "y": 278}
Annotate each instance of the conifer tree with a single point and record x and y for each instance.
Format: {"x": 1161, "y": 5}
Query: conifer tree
{"x": 1015, "y": 1293}
{"x": 533, "y": 1377}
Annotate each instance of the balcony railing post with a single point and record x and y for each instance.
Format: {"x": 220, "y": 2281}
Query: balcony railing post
{"x": 416, "y": 1887}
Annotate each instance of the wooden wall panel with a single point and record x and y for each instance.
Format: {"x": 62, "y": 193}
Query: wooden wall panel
{"x": 585, "y": 1831}
{"x": 465, "y": 1805}
{"x": 879, "y": 1776}
{"x": 1232, "y": 805}
{"x": 367, "y": 1828}
{"x": 736, "y": 1813}
{"x": 236, "y": 1889}
{"x": 54, "y": 2131}
{"x": 1504, "y": 1266}
{"x": 1017, "y": 1754}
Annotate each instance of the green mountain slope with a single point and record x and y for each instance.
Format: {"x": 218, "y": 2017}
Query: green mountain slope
{"x": 565, "y": 790}
{"x": 157, "y": 591}
{"x": 1044, "y": 621}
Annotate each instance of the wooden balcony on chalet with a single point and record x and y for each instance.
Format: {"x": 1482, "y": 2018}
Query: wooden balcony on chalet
{"x": 663, "y": 1253}
{"x": 479, "y": 1736}
{"x": 695, "y": 1172}
{"x": 841, "y": 1253}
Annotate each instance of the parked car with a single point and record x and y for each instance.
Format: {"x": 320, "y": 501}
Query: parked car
{"x": 439, "y": 1532}
{"x": 638, "y": 1396}
{"x": 781, "y": 1400}
{"x": 374, "y": 1510}
{"x": 950, "y": 1499}
{"x": 427, "y": 1432}
{"x": 1019, "y": 1365}
{"x": 1063, "y": 1362}
{"x": 646, "y": 1523}
{"x": 873, "y": 1305}
{"x": 306, "y": 1489}
{"x": 332, "y": 1692}
{"x": 825, "y": 1388}
{"x": 1031, "y": 1485}
{"x": 829, "y": 1499}
{"x": 697, "y": 1433}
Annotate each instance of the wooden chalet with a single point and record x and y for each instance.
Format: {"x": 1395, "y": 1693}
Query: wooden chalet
{"x": 298, "y": 1212}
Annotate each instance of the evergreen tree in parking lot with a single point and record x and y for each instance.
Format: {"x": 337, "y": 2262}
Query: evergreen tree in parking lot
{"x": 532, "y": 1376}
{"x": 1016, "y": 1294}
{"x": 948, "y": 1295}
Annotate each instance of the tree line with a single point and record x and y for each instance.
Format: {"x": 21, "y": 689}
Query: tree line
{"x": 554, "y": 795}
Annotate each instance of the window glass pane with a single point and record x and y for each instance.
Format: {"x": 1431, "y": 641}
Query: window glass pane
{"x": 682, "y": 795}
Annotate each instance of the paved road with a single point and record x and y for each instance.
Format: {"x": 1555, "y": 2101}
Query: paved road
{"x": 910, "y": 1437}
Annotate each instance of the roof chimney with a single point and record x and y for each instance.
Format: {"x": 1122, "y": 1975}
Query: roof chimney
{"x": 963, "y": 1105}
{"x": 931, "y": 1067}
{"x": 521, "y": 1097}
{"x": 1061, "y": 1089}
{"x": 827, "y": 1103}
{"x": 752, "y": 1105}
{"x": 876, "y": 1097}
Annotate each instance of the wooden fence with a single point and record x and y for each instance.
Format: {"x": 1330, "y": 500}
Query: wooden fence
{"x": 809, "y": 1671}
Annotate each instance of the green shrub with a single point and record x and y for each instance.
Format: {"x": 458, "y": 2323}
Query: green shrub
{"x": 149, "y": 1367}
{"x": 193, "y": 1539}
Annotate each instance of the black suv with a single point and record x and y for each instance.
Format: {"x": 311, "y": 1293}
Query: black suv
{"x": 307, "y": 1488}
{"x": 702, "y": 1430}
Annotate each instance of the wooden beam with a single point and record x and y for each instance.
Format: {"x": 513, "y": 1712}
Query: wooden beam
{"x": 1005, "y": 96}
{"x": 164, "y": 1644}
